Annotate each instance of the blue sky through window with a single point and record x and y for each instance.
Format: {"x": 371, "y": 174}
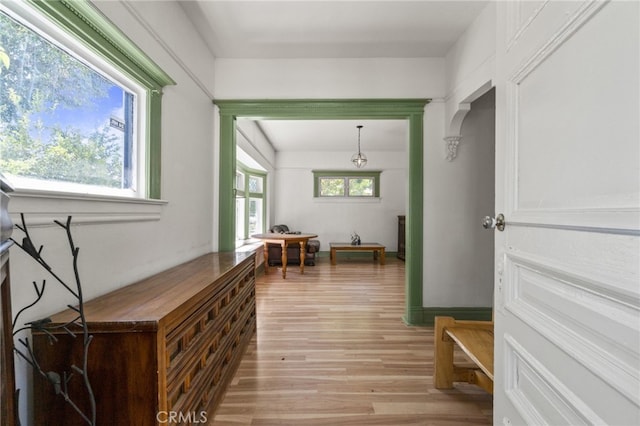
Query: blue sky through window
{"x": 87, "y": 118}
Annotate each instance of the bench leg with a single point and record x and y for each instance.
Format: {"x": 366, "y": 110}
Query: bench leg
{"x": 483, "y": 381}
{"x": 443, "y": 359}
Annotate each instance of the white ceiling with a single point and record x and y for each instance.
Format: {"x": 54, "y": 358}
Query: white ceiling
{"x": 336, "y": 135}
{"x": 332, "y": 29}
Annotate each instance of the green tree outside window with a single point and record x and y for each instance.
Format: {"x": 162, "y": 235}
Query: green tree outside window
{"x": 42, "y": 87}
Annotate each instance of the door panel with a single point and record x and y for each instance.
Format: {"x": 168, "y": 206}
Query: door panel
{"x": 568, "y": 180}
{"x": 549, "y": 139}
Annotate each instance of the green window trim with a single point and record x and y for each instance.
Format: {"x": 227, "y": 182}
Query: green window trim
{"x": 248, "y": 171}
{"x": 345, "y": 174}
{"x": 90, "y": 27}
{"x": 248, "y": 195}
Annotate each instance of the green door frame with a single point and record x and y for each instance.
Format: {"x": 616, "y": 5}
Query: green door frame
{"x": 409, "y": 109}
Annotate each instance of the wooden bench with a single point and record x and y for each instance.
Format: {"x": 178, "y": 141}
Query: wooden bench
{"x": 475, "y": 339}
{"x": 376, "y": 248}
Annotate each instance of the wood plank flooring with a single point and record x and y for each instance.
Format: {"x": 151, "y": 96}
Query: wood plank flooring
{"x": 331, "y": 349}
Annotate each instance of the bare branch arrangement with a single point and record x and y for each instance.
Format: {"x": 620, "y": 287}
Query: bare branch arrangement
{"x": 59, "y": 380}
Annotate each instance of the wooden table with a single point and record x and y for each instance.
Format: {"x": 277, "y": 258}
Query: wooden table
{"x": 377, "y": 249}
{"x": 284, "y": 240}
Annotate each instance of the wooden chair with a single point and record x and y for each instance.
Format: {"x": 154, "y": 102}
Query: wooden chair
{"x": 475, "y": 338}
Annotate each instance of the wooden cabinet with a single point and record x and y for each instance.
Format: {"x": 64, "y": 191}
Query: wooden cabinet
{"x": 8, "y": 405}
{"x": 167, "y": 344}
{"x": 401, "y": 237}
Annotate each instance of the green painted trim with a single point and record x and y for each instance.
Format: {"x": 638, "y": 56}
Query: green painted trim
{"x": 319, "y": 109}
{"x": 249, "y": 170}
{"x": 226, "y": 197}
{"x": 409, "y": 109}
{"x": 89, "y": 26}
{"x": 375, "y": 174}
{"x": 81, "y": 19}
{"x": 154, "y": 146}
{"x": 425, "y": 316}
{"x": 414, "y": 218}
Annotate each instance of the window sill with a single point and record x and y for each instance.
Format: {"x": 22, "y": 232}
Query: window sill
{"x": 249, "y": 245}
{"x": 362, "y": 200}
{"x": 43, "y": 207}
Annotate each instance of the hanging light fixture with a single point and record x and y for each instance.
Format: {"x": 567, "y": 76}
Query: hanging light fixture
{"x": 359, "y": 160}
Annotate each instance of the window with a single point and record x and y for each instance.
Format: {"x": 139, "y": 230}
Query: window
{"x": 346, "y": 184}
{"x": 250, "y": 202}
{"x": 72, "y": 120}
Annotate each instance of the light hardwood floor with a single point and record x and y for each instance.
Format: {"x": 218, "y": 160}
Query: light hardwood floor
{"x": 331, "y": 349}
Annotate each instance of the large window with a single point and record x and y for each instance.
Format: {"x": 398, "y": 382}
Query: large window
{"x": 71, "y": 120}
{"x": 250, "y": 202}
{"x": 346, "y": 184}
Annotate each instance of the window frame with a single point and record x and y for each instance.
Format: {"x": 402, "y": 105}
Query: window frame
{"x": 88, "y": 28}
{"x": 346, "y": 175}
{"x": 248, "y": 195}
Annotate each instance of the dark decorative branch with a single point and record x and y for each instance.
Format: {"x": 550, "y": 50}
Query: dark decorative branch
{"x": 58, "y": 381}
{"x": 39, "y": 294}
{"x": 28, "y": 247}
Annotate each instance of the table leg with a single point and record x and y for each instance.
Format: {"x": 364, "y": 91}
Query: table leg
{"x": 266, "y": 258}
{"x": 284, "y": 259}
{"x": 302, "y": 256}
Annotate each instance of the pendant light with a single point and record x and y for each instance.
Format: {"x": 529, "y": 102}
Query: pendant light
{"x": 359, "y": 160}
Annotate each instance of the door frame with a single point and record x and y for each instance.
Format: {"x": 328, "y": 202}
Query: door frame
{"x": 332, "y": 109}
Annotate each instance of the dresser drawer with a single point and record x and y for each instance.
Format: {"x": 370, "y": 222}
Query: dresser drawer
{"x": 198, "y": 348}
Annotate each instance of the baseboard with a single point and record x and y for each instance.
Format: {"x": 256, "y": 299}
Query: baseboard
{"x": 425, "y": 316}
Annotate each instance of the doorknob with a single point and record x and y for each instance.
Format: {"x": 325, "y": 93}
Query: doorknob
{"x": 490, "y": 223}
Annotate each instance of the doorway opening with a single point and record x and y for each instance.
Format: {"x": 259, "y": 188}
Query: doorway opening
{"x": 409, "y": 109}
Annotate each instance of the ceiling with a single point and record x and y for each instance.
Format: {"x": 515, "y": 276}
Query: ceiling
{"x": 336, "y": 135}
{"x": 332, "y": 29}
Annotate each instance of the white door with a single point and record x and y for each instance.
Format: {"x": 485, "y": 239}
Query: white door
{"x": 567, "y": 304}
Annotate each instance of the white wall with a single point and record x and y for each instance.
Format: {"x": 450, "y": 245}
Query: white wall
{"x": 470, "y": 63}
{"x": 329, "y": 78}
{"x": 115, "y": 248}
{"x": 334, "y": 220}
{"x": 458, "y": 255}
{"x": 458, "y": 252}
{"x": 253, "y": 141}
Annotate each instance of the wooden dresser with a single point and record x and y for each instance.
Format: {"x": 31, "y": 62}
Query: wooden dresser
{"x": 167, "y": 344}
{"x": 8, "y": 398}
